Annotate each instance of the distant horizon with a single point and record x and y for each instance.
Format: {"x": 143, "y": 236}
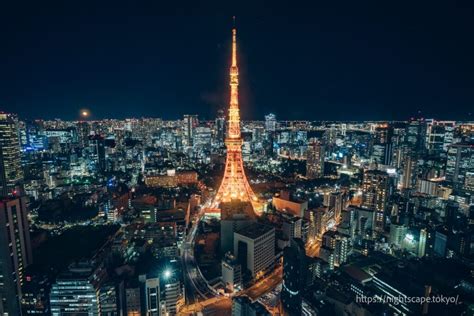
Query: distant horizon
{"x": 357, "y": 61}
{"x": 204, "y": 119}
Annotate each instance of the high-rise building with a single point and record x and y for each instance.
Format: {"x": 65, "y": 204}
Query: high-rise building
{"x": 98, "y": 142}
{"x": 376, "y": 190}
{"x": 173, "y": 295}
{"x": 460, "y": 165}
{"x": 291, "y": 226}
{"x": 190, "y": 122}
{"x": 294, "y": 277}
{"x": 152, "y": 296}
{"x": 337, "y": 200}
{"x": 11, "y": 173}
{"x": 73, "y": 292}
{"x": 337, "y": 246}
{"x": 415, "y": 134}
{"x": 270, "y": 123}
{"x": 315, "y": 160}
{"x": 83, "y": 131}
{"x": 439, "y": 135}
{"x": 382, "y": 153}
{"x": 133, "y": 301}
{"x": 234, "y": 183}
{"x": 231, "y": 273}
{"x": 202, "y": 138}
{"x": 408, "y": 179}
{"x": 397, "y": 234}
{"x": 254, "y": 247}
{"x": 235, "y": 215}
{"x": 422, "y": 242}
{"x": 108, "y": 300}
{"x": 15, "y": 252}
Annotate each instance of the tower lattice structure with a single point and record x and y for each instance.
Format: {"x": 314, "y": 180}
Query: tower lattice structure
{"x": 234, "y": 183}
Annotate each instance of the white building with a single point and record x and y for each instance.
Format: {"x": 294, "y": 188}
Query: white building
{"x": 254, "y": 247}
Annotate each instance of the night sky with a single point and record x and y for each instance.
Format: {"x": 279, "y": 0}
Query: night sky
{"x": 345, "y": 62}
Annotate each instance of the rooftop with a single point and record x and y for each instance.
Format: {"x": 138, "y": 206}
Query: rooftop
{"x": 255, "y": 230}
{"x": 236, "y": 209}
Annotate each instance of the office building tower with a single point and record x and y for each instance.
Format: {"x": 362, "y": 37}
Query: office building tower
{"x": 375, "y": 193}
{"x": 231, "y": 273}
{"x": 190, "y": 122}
{"x": 439, "y": 135}
{"x": 423, "y": 242}
{"x": 397, "y": 234}
{"x": 342, "y": 249}
{"x": 291, "y": 226}
{"x": 315, "y": 160}
{"x": 73, "y": 292}
{"x": 382, "y": 153}
{"x": 336, "y": 247}
{"x": 235, "y": 215}
{"x": 133, "y": 301}
{"x": 83, "y": 132}
{"x": 382, "y": 134}
{"x": 11, "y": 174}
{"x": 408, "y": 180}
{"x": 15, "y": 251}
{"x": 270, "y": 123}
{"x": 98, "y": 143}
{"x": 108, "y": 300}
{"x": 337, "y": 201}
{"x": 460, "y": 165}
{"x": 152, "y": 296}
{"x": 202, "y": 139}
{"x": 254, "y": 247}
{"x": 173, "y": 295}
{"x": 294, "y": 277}
{"x": 415, "y": 135}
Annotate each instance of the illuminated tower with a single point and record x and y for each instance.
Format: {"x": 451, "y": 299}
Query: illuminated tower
{"x": 234, "y": 183}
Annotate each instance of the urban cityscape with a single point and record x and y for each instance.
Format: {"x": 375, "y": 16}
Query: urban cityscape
{"x": 231, "y": 216}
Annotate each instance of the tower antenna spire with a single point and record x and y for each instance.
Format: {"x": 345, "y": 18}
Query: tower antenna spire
{"x": 234, "y": 45}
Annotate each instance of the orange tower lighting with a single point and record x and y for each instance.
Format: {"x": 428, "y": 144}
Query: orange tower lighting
{"x": 234, "y": 183}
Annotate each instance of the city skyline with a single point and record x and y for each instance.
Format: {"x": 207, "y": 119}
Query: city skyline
{"x": 223, "y": 215}
{"x": 378, "y": 63}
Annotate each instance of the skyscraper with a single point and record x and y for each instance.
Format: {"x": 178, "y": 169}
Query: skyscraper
{"x": 73, "y": 292}
{"x": 234, "y": 183}
{"x": 376, "y": 190}
{"x": 15, "y": 252}
{"x": 270, "y": 122}
{"x": 294, "y": 270}
{"x": 460, "y": 165}
{"x": 315, "y": 160}
{"x": 11, "y": 173}
{"x": 190, "y": 122}
{"x": 254, "y": 247}
{"x": 415, "y": 135}
{"x": 152, "y": 296}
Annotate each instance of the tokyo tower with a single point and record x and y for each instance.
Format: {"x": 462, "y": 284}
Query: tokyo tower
{"x": 234, "y": 184}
